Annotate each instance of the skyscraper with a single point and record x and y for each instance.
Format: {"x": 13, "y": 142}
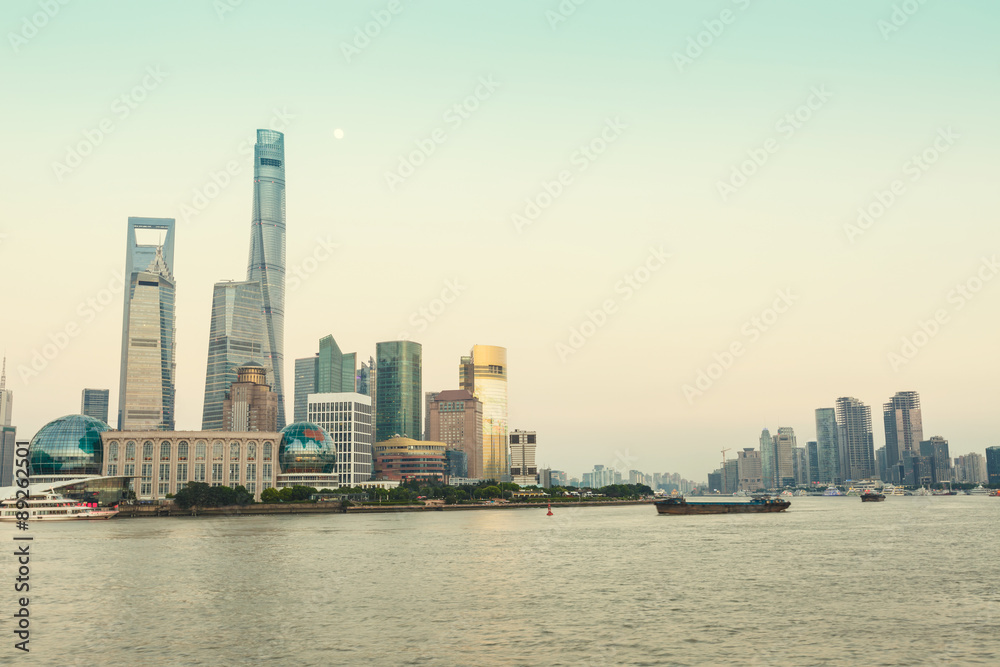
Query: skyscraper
{"x": 6, "y": 397}
{"x": 523, "y": 470}
{"x": 854, "y": 432}
{"x": 484, "y": 375}
{"x": 936, "y": 449}
{"x": 148, "y": 367}
{"x": 827, "y": 447}
{"x": 306, "y": 370}
{"x": 455, "y": 417}
{"x": 812, "y": 460}
{"x": 784, "y": 448}
{"x": 399, "y": 390}
{"x": 903, "y": 431}
{"x": 748, "y": 470}
{"x": 267, "y": 249}
{"x": 236, "y": 337}
{"x": 347, "y": 417}
{"x": 993, "y": 465}
{"x": 769, "y": 466}
{"x": 250, "y": 405}
{"x": 94, "y": 403}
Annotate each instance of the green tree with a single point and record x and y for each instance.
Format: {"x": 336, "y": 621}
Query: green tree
{"x": 270, "y": 495}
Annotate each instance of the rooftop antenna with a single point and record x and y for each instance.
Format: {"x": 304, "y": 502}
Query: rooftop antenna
{"x": 3, "y": 373}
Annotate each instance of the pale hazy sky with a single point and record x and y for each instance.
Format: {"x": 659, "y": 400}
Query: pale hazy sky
{"x": 827, "y": 106}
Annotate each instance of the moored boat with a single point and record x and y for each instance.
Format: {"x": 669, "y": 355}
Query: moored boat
{"x": 51, "y": 507}
{"x": 872, "y": 496}
{"x": 680, "y": 505}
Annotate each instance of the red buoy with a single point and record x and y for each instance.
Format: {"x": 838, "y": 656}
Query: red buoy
{"x": 550, "y": 510}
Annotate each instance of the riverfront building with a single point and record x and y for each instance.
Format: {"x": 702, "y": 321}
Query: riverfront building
{"x": 936, "y": 450}
{"x": 250, "y": 405}
{"x": 347, "y": 417}
{"x": 903, "y": 431}
{"x": 401, "y": 458}
{"x": 305, "y": 384}
{"x": 399, "y": 390}
{"x": 768, "y": 460}
{"x": 749, "y": 470}
{"x": 455, "y": 417}
{"x": 483, "y": 373}
{"x": 812, "y": 460}
{"x": 267, "y": 249}
{"x": 94, "y": 403}
{"x": 970, "y": 469}
{"x": 329, "y": 371}
{"x": 784, "y": 453}
{"x": 237, "y": 336}
{"x": 8, "y": 445}
{"x": 148, "y": 367}
{"x": 827, "y": 447}
{"x": 523, "y": 469}
{"x": 857, "y": 445}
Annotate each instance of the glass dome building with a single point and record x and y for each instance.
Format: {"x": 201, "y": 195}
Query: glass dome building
{"x": 306, "y": 448}
{"x": 70, "y": 445}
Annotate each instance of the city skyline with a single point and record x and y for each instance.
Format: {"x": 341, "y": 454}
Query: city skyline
{"x": 912, "y": 328}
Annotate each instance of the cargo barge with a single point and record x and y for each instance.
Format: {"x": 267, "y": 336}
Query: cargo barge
{"x": 681, "y": 505}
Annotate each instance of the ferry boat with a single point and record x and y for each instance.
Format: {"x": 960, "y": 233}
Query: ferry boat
{"x": 52, "y": 507}
{"x": 832, "y": 491}
{"x": 893, "y": 490}
{"x": 872, "y": 496}
{"x": 979, "y": 491}
{"x": 679, "y": 505}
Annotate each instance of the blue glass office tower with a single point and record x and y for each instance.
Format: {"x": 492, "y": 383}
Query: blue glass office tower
{"x": 237, "y": 336}
{"x": 148, "y": 367}
{"x": 267, "y": 249}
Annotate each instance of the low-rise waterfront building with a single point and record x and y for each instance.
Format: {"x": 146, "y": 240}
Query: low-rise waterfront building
{"x": 402, "y": 458}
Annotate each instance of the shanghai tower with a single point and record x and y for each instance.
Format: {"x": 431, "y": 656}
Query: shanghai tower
{"x": 267, "y": 250}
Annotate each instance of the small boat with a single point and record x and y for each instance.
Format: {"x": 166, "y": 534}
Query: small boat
{"x": 892, "y": 490}
{"x": 872, "y": 496}
{"x": 680, "y": 505}
{"x": 979, "y": 491}
{"x": 832, "y": 491}
{"x": 51, "y": 507}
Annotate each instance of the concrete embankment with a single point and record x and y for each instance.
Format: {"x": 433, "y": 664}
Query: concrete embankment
{"x": 140, "y": 511}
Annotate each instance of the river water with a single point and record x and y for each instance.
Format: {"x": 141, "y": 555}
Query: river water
{"x": 831, "y": 581}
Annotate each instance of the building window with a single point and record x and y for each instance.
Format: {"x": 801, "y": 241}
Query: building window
{"x": 129, "y": 470}
{"x": 113, "y": 451}
{"x": 182, "y": 474}
{"x": 164, "y": 451}
{"x": 251, "y": 451}
{"x": 234, "y": 451}
{"x": 252, "y": 488}
{"x": 164, "y": 472}
{"x": 182, "y": 450}
{"x": 234, "y": 474}
{"x": 267, "y": 472}
{"x": 147, "y": 451}
{"x": 217, "y": 472}
{"x": 199, "y": 472}
{"x": 112, "y": 470}
{"x": 199, "y": 450}
{"x": 130, "y": 450}
{"x": 163, "y": 489}
{"x": 180, "y": 486}
{"x": 217, "y": 451}
{"x": 251, "y": 472}
{"x": 267, "y": 451}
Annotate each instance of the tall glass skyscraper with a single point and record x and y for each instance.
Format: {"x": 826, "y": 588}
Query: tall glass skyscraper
{"x": 904, "y": 430}
{"x": 484, "y": 375}
{"x": 399, "y": 390}
{"x": 94, "y": 403}
{"x": 827, "y": 446}
{"x": 148, "y": 367}
{"x": 306, "y": 370}
{"x": 768, "y": 460}
{"x": 237, "y": 335}
{"x": 267, "y": 249}
{"x": 854, "y": 432}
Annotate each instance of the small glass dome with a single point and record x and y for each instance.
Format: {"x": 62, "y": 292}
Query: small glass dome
{"x": 306, "y": 447}
{"x": 70, "y": 445}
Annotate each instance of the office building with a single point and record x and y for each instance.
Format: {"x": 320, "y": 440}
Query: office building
{"x": 800, "y": 466}
{"x": 828, "y": 447}
{"x": 6, "y": 398}
{"x": 715, "y": 480}
{"x": 306, "y": 372}
{"x": 94, "y": 403}
{"x": 8, "y": 445}
{"x": 401, "y": 458}
{"x": 335, "y": 371}
{"x": 148, "y": 366}
{"x": 399, "y": 390}
{"x": 365, "y": 378}
{"x": 523, "y": 470}
{"x": 237, "y": 336}
{"x": 347, "y": 417}
{"x": 483, "y": 373}
{"x": 993, "y": 466}
{"x": 457, "y": 463}
{"x": 936, "y": 449}
{"x": 455, "y": 417}
{"x": 768, "y": 460}
{"x": 903, "y": 431}
{"x": 812, "y": 460}
{"x": 854, "y": 433}
{"x": 267, "y": 249}
{"x": 970, "y": 469}
{"x": 749, "y": 471}
{"x": 784, "y": 447}
{"x": 250, "y": 405}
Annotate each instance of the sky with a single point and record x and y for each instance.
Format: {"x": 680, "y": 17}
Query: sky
{"x": 686, "y": 221}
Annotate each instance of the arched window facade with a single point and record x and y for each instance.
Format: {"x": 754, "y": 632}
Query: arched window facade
{"x": 147, "y": 450}
{"x": 234, "y": 451}
{"x": 182, "y": 450}
{"x": 267, "y": 451}
{"x": 165, "y": 451}
{"x": 199, "y": 450}
{"x": 130, "y": 450}
{"x": 113, "y": 451}
{"x": 217, "y": 450}
{"x": 251, "y": 451}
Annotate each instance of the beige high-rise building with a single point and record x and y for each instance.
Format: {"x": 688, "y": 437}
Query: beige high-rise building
{"x": 484, "y": 375}
{"x": 784, "y": 447}
{"x": 250, "y": 405}
{"x": 455, "y": 417}
{"x": 523, "y": 470}
{"x": 749, "y": 470}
